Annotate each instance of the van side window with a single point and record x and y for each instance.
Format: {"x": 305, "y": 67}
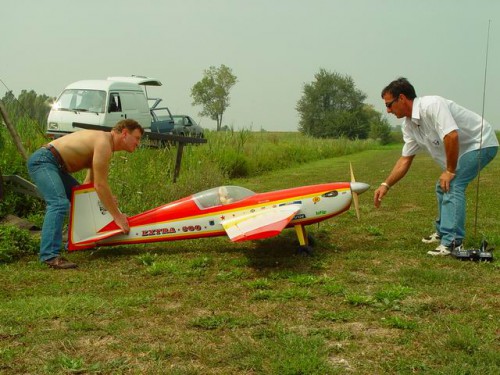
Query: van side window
{"x": 115, "y": 104}
{"x": 128, "y": 100}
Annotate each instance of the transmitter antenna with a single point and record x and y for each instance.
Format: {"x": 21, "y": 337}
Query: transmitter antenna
{"x": 482, "y": 125}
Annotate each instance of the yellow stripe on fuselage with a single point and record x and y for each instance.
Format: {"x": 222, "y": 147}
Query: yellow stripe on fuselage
{"x": 241, "y": 208}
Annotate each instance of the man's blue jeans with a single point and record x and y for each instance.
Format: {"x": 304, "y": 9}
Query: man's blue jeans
{"x": 55, "y": 186}
{"x": 450, "y": 223}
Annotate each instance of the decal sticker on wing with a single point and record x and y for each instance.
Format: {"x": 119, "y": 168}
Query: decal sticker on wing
{"x": 261, "y": 224}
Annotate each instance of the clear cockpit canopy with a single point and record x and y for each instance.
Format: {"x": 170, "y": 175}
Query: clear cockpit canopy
{"x": 221, "y": 195}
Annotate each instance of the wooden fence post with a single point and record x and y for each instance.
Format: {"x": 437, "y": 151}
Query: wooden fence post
{"x": 13, "y": 132}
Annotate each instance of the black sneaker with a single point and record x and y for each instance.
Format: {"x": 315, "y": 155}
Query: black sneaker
{"x": 433, "y": 238}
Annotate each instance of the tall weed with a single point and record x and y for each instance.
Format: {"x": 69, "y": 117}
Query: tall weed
{"x": 12, "y": 163}
{"x": 247, "y": 154}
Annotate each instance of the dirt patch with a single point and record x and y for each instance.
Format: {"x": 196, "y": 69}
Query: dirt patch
{"x": 19, "y": 222}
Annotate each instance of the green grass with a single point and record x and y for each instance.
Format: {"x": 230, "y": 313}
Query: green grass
{"x": 370, "y": 300}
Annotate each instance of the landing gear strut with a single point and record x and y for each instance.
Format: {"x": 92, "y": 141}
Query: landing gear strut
{"x": 305, "y": 240}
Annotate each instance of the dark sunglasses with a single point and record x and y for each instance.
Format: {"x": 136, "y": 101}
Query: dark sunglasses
{"x": 389, "y": 104}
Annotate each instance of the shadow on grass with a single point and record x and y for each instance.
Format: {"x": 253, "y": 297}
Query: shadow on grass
{"x": 267, "y": 257}
{"x": 283, "y": 253}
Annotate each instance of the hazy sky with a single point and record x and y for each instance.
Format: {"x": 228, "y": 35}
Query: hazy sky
{"x": 272, "y": 46}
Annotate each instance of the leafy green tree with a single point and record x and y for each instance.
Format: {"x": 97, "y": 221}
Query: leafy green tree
{"x": 212, "y": 92}
{"x": 331, "y": 106}
{"x": 29, "y": 105}
{"x": 380, "y": 129}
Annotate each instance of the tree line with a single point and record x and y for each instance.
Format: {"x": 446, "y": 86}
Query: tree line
{"x": 331, "y": 106}
{"x": 28, "y": 105}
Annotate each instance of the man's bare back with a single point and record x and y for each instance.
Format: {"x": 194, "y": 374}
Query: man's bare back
{"x": 77, "y": 149}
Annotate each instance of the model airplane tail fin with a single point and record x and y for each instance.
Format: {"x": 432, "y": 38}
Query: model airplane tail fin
{"x": 87, "y": 217}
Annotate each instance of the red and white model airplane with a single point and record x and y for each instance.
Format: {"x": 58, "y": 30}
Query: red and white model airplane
{"x": 234, "y": 211}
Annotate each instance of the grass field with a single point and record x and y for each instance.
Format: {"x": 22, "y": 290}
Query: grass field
{"x": 370, "y": 300}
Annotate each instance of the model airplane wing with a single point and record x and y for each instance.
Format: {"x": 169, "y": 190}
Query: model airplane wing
{"x": 260, "y": 224}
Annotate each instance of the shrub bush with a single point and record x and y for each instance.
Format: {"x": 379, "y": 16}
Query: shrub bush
{"x": 15, "y": 243}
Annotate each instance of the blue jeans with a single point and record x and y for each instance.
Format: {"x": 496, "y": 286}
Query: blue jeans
{"x": 450, "y": 223}
{"x": 55, "y": 186}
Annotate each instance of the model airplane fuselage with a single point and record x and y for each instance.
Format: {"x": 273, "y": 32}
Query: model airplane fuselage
{"x": 227, "y": 210}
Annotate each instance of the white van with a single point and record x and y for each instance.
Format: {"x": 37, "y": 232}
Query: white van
{"x": 102, "y": 103}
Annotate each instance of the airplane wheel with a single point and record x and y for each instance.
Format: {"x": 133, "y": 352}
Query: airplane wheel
{"x": 306, "y": 250}
{"x": 311, "y": 240}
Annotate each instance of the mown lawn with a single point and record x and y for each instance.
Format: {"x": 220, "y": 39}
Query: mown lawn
{"x": 370, "y": 300}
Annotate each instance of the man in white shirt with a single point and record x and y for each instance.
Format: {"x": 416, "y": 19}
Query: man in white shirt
{"x": 459, "y": 140}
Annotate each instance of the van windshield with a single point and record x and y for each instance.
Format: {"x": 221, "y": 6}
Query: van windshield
{"x": 81, "y": 100}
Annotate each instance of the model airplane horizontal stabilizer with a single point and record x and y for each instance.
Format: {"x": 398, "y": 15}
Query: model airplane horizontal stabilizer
{"x": 99, "y": 237}
{"x": 261, "y": 224}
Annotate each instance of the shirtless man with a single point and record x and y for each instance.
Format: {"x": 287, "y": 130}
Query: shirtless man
{"x": 50, "y": 169}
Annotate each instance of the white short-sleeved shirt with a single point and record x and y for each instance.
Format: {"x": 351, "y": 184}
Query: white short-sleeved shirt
{"x": 433, "y": 117}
